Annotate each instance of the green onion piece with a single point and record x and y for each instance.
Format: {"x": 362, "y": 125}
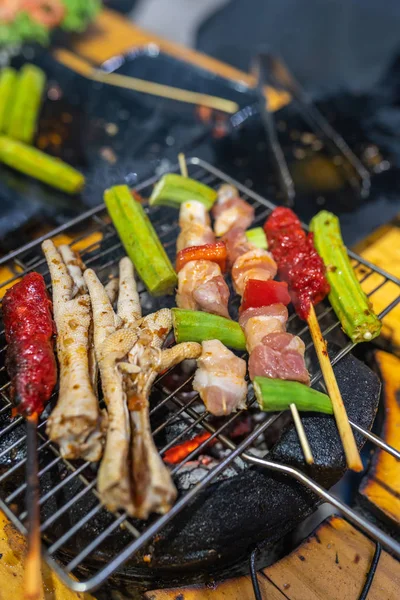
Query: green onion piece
{"x": 257, "y": 237}
{"x": 140, "y": 241}
{"x": 196, "y": 326}
{"x": 348, "y": 300}
{"x": 173, "y": 190}
{"x": 8, "y": 82}
{"x": 277, "y": 394}
{"x": 27, "y": 102}
{"x": 39, "y": 165}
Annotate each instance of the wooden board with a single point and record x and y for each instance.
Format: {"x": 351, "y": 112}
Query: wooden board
{"x": 381, "y": 486}
{"x": 382, "y": 248}
{"x": 330, "y": 565}
{"x": 12, "y": 549}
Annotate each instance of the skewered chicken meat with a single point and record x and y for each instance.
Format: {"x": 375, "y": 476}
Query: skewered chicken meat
{"x": 194, "y": 223}
{"x": 247, "y": 261}
{"x": 201, "y": 285}
{"x": 220, "y": 379}
{"x": 231, "y": 211}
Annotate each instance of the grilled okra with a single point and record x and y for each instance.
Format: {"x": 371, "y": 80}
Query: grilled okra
{"x": 140, "y": 241}
{"x": 39, "y": 165}
{"x": 173, "y": 190}
{"x": 350, "y": 303}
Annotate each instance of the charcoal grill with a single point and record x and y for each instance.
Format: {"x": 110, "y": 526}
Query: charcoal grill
{"x": 75, "y": 527}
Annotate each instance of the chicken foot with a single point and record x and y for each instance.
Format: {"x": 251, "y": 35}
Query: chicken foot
{"x": 153, "y": 487}
{"x": 76, "y": 424}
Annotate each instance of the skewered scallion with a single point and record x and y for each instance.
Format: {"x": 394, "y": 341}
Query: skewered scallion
{"x": 257, "y": 237}
{"x": 173, "y": 190}
{"x": 197, "y": 326}
{"x": 140, "y": 241}
{"x": 27, "y": 100}
{"x": 348, "y": 300}
{"x": 39, "y": 165}
{"x": 8, "y": 81}
{"x": 277, "y": 394}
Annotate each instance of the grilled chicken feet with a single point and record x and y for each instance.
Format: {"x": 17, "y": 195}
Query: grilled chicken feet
{"x": 132, "y": 475}
{"x": 76, "y": 424}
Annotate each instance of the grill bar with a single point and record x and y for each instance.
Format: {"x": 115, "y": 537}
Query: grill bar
{"x": 103, "y": 256}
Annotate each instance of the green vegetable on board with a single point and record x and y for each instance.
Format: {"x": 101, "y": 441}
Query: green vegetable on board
{"x": 41, "y": 166}
{"x": 26, "y": 104}
{"x": 8, "y": 81}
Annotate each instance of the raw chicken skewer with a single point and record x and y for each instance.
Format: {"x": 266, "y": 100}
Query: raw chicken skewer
{"x": 132, "y": 476}
{"x": 272, "y": 352}
{"x": 76, "y": 424}
{"x": 220, "y": 375}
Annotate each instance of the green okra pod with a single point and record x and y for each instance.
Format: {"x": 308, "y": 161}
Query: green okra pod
{"x": 277, "y": 394}
{"x": 140, "y": 241}
{"x": 26, "y": 104}
{"x": 173, "y": 190}
{"x": 8, "y": 83}
{"x": 197, "y": 326}
{"x": 349, "y": 301}
{"x": 39, "y": 165}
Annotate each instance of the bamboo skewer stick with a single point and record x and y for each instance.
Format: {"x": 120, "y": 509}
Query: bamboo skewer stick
{"x": 183, "y": 165}
{"x": 85, "y": 69}
{"x": 346, "y": 434}
{"x": 33, "y": 584}
{"x": 305, "y": 446}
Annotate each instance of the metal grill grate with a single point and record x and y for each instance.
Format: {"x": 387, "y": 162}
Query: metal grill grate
{"x": 68, "y": 496}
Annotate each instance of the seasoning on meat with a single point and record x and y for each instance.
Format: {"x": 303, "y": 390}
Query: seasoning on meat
{"x": 29, "y": 331}
{"x": 299, "y": 264}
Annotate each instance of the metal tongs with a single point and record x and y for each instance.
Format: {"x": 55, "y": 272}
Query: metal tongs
{"x": 270, "y": 70}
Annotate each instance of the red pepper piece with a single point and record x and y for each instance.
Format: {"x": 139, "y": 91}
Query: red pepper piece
{"x": 214, "y": 252}
{"x": 178, "y": 453}
{"x": 263, "y": 293}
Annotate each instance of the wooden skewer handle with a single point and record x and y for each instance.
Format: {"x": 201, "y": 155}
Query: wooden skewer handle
{"x": 81, "y": 66}
{"x": 346, "y": 433}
